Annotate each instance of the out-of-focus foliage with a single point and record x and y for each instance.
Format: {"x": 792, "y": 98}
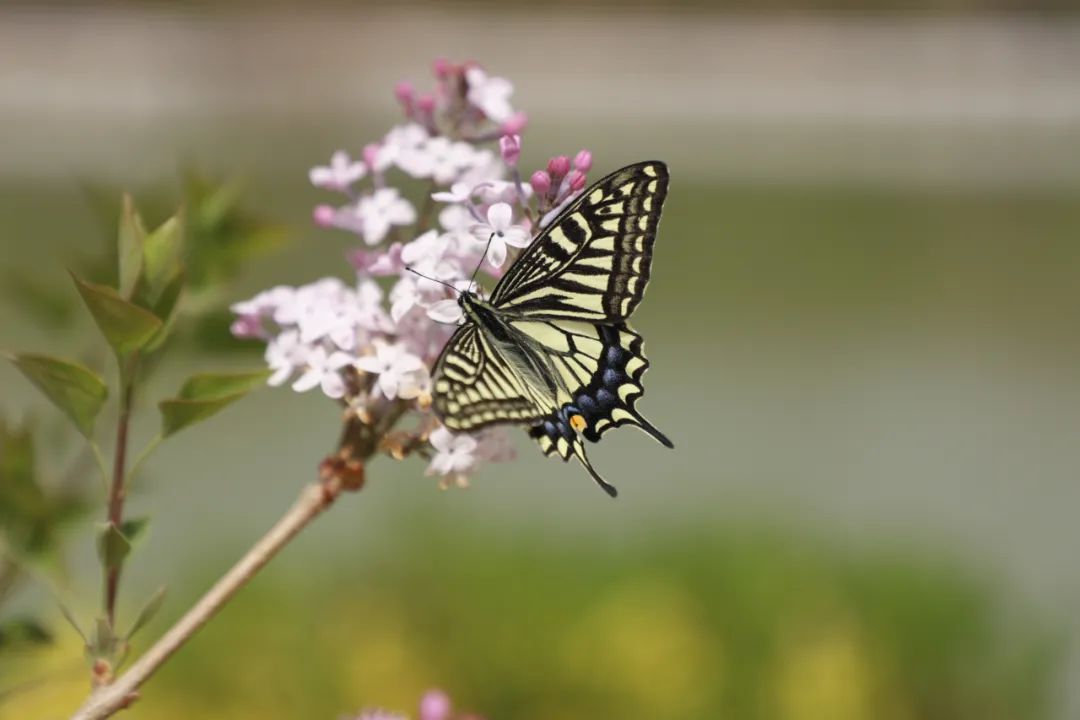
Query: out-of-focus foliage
{"x": 31, "y": 515}
{"x": 33, "y": 518}
{"x": 214, "y": 235}
{"x": 134, "y": 309}
{"x": 739, "y": 624}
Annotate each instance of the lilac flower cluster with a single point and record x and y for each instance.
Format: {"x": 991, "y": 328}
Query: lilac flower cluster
{"x": 435, "y": 705}
{"x": 371, "y": 343}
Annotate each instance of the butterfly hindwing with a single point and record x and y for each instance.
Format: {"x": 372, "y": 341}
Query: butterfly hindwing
{"x": 593, "y": 260}
{"x": 474, "y": 387}
{"x": 611, "y": 361}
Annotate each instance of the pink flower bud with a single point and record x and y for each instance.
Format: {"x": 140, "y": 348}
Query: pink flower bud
{"x": 541, "y": 183}
{"x": 583, "y": 161}
{"x": 246, "y": 327}
{"x": 324, "y": 215}
{"x": 558, "y": 166}
{"x": 442, "y": 68}
{"x": 510, "y": 148}
{"x": 515, "y": 123}
{"x": 426, "y": 103}
{"x": 404, "y": 93}
{"x": 575, "y": 180}
{"x": 369, "y": 153}
{"x": 435, "y": 705}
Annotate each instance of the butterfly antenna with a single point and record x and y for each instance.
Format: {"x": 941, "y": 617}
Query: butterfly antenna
{"x": 409, "y": 268}
{"x": 472, "y": 280}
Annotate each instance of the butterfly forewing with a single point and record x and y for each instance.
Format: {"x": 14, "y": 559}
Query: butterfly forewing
{"x": 593, "y": 260}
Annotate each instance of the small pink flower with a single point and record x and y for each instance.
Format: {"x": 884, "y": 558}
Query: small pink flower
{"x": 404, "y": 296}
{"x": 439, "y": 158}
{"x": 339, "y": 175}
{"x": 510, "y": 149}
{"x": 397, "y": 368}
{"x": 324, "y": 216}
{"x": 515, "y": 124}
{"x": 454, "y": 453}
{"x": 491, "y": 95}
{"x": 378, "y": 263}
{"x": 435, "y": 705}
{"x": 323, "y": 369}
{"x": 399, "y": 142}
{"x": 459, "y": 192}
{"x": 500, "y": 231}
{"x": 380, "y": 211}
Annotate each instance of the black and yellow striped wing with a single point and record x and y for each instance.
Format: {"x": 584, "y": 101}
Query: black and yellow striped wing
{"x": 474, "y": 386}
{"x": 593, "y": 261}
{"x": 565, "y": 361}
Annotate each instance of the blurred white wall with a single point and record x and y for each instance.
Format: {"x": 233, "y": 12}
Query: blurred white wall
{"x": 946, "y": 100}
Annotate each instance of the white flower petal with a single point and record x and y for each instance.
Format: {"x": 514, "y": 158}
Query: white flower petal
{"x": 496, "y": 254}
{"x": 500, "y": 216}
{"x": 445, "y": 311}
{"x": 307, "y": 381}
{"x": 517, "y": 236}
{"x": 333, "y": 385}
{"x": 370, "y": 364}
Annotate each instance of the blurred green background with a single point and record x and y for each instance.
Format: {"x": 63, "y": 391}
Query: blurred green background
{"x": 864, "y": 326}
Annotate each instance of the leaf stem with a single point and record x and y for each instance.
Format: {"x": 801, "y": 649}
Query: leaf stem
{"x": 423, "y": 221}
{"x": 106, "y": 700}
{"x": 115, "y": 510}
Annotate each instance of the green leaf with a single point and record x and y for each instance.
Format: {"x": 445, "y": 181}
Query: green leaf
{"x": 161, "y": 257}
{"x": 113, "y": 546}
{"x": 165, "y": 308}
{"x": 149, "y": 610}
{"x": 177, "y": 414}
{"x": 216, "y": 385}
{"x": 125, "y": 325}
{"x": 134, "y": 528}
{"x": 204, "y": 395}
{"x": 129, "y": 246}
{"x": 75, "y": 389}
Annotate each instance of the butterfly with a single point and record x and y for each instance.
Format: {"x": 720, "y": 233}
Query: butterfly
{"x": 551, "y": 347}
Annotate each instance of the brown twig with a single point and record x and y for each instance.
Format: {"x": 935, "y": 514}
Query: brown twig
{"x": 108, "y": 699}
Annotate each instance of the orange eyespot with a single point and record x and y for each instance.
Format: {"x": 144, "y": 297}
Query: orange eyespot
{"x": 578, "y": 423}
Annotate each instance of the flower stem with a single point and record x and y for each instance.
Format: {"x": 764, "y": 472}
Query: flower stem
{"x": 108, "y": 699}
{"x": 115, "y": 514}
{"x": 423, "y": 223}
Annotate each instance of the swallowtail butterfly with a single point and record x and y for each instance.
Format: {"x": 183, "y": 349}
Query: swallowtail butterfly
{"x": 551, "y": 347}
